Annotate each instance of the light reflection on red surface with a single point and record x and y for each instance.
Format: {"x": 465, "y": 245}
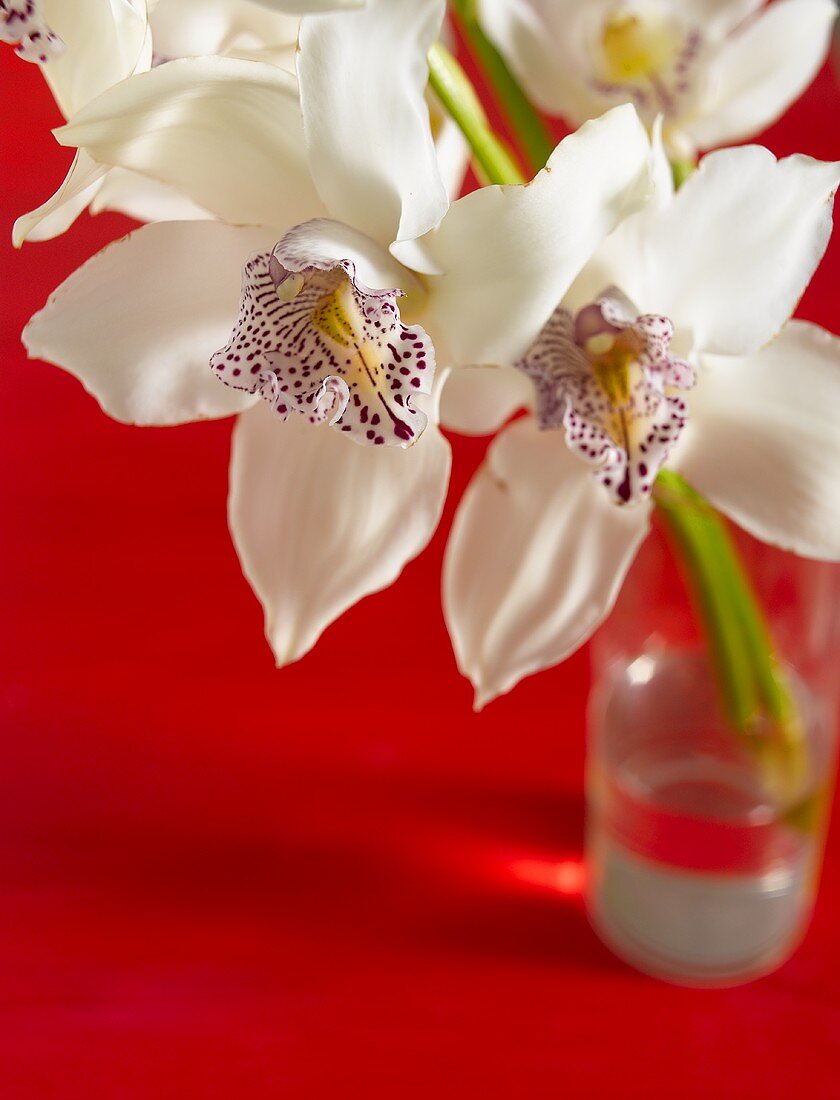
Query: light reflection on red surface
{"x": 566, "y": 876}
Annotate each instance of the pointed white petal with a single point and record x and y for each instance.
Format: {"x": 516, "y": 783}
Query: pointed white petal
{"x": 225, "y": 133}
{"x": 623, "y": 260}
{"x": 758, "y": 72}
{"x": 144, "y": 199}
{"x": 479, "y": 400}
{"x": 363, "y": 76}
{"x": 104, "y": 43}
{"x": 137, "y": 324}
{"x": 319, "y": 522}
{"x": 730, "y": 257}
{"x": 58, "y": 213}
{"x": 763, "y": 442}
{"x": 509, "y": 254}
{"x": 560, "y": 551}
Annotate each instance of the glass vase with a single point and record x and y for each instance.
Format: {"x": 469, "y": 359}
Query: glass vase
{"x": 703, "y": 860}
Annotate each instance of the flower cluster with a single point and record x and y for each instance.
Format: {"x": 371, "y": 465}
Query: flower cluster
{"x": 307, "y": 266}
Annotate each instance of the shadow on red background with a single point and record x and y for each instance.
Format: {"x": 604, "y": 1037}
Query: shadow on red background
{"x": 220, "y": 880}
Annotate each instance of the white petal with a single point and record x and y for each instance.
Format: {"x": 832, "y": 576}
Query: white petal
{"x": 623, "y": 260}
{"x": 763, "y": 442}
{"x": 715, "y": 18}
{"x": 509, "y": 254}
{"x": 760, "y": 71}
{"x": 363, "y": 76}
{"x": 730, "y": 257}
{"x": 479, "y": 400}
{"x": 225, "y": 133}
{"x": 105, "y": 41}
{"x": 319, "y": 522}
{"x": 192, "y": 28}
{"x": 301, "y": 7}
{"x": 283, "y": 57}
{"x": 58, "y": 213}
{"x": 559, "y": 553}
{"x": 144, "y": 199}
{"x": 137, "y": 324}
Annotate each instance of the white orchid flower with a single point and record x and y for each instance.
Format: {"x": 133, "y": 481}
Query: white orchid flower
{"x": 331, "y": 324}
{"x": 720, "y": 71}
{"x": 673, "y": 345}
{"x": 106, "y": 42}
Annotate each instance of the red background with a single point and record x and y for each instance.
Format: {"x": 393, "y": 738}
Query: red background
{"x": 212, "y": 886}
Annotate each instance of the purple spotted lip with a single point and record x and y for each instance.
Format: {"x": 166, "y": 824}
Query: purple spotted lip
{"x": 312, "y": 339}
{"x": 606, "y": 377}
{"x": 21, "y": 23}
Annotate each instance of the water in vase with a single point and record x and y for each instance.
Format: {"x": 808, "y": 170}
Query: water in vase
{"x": 696, "y": 872}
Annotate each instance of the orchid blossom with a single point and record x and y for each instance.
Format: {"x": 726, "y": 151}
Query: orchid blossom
{"x": 719, "y": 71}
{"x": 104, "y": 43}
{"x": 673, "y": 346}
{"x": 330, "y": 365}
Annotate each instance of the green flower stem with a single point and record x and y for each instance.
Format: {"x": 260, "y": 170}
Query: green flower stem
{"x": 526, "y": 124}
{"x": 693, "y": 525}
{"x": 769, "y": 679}
{"x": 756, "y": 696}
{"x": 453, "y": 88}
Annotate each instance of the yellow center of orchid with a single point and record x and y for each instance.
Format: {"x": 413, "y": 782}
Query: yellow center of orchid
{"x": 637, "y": 48}
{"x": 337, "y": 316}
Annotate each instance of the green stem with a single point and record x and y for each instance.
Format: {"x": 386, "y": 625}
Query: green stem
{"x": 526, "y": 124}
{"x": 752, "y": 682}
{"x": 773, "y": 690}
{"x": 693, "y": 526}
{"x": 453, "y": 88}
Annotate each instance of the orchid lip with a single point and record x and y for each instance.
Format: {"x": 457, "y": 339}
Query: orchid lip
{"x": 607, "y": 378}
{"x": 22, "y": 24}
{"x": 313, "y": 339}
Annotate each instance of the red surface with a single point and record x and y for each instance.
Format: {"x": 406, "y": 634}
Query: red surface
{"x": 210, "y": 888}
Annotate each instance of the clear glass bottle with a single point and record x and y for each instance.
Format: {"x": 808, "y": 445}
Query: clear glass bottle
{"x": 703, "y": 862}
